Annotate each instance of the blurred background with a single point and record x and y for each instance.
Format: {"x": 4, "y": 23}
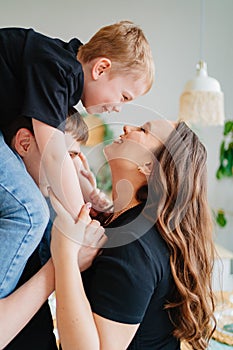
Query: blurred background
{"x": 173, "y": 28}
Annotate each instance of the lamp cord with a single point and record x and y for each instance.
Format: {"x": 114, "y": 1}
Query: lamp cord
{"x": 202, "y": 29}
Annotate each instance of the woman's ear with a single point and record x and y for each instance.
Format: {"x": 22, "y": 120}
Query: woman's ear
{"x": 22, "y": 141}
{"x": 145, "y": 169}
{"x": 102, "y": 65}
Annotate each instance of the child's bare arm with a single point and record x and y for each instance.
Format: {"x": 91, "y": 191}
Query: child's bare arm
{"x": 58, "y": 166}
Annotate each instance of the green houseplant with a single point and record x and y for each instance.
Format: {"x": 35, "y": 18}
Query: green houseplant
{"x": 225, "y": 169}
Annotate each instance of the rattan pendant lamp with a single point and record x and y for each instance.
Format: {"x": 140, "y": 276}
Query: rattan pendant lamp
{"x": 202, "y": 101}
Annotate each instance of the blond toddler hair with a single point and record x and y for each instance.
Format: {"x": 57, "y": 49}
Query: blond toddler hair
{"x": 125, "y": 44}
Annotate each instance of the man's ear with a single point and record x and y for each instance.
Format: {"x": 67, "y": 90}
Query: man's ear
{"x": 101, "y": 66}
{"x": 22, "y": 141}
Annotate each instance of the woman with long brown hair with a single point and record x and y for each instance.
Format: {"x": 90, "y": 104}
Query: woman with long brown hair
{"x": 150, "y": 288}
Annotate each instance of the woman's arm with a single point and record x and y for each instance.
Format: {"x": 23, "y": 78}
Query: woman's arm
{"x": 18, "y": 308}
{"x": 58, "y": 166}
{"x": 78, "y": 327}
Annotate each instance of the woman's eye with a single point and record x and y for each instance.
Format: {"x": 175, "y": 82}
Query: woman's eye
{"x": 125, "y": 98}
{"x": 142, "y": 129}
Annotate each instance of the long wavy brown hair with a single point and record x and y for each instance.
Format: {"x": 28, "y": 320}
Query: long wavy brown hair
{"x": 178, "y": 188}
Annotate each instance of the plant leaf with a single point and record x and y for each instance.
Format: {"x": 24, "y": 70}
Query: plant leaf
{"x": 222, "y": 152}
{"x": 220, "y": 172}
{"x": 228, "y": 127}
{"x": 220, "y": 218}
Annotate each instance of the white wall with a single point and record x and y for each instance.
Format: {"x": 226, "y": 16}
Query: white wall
{"x": 173, "y": 30}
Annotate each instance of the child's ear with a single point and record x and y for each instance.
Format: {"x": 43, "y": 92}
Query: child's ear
{"x": 101, "y": 66}
{"x": 23, "y": 141}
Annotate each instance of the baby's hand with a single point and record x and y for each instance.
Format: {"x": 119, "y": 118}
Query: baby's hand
{"x": 86, "y": 177}
{"x": 86, "y": 171}
{"x": 100, "y": 201}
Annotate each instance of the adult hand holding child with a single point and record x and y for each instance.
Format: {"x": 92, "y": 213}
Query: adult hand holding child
{"x": 69, "y": 236}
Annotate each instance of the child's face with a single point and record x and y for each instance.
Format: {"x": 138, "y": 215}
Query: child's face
{"x": 107, "y": 94}
{"x": 32, "y": 159}
{"x": 73, "y": 146}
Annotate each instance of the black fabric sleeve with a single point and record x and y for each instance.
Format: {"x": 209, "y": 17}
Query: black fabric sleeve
{"x": 46, "y": 92}
{"x": 121, "y": 284}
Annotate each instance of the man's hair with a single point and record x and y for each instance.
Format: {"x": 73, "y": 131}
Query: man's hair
{"x": 76, "y": 126}
{"x": 125, "y": 44}
{"x": 10, "y": 130}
